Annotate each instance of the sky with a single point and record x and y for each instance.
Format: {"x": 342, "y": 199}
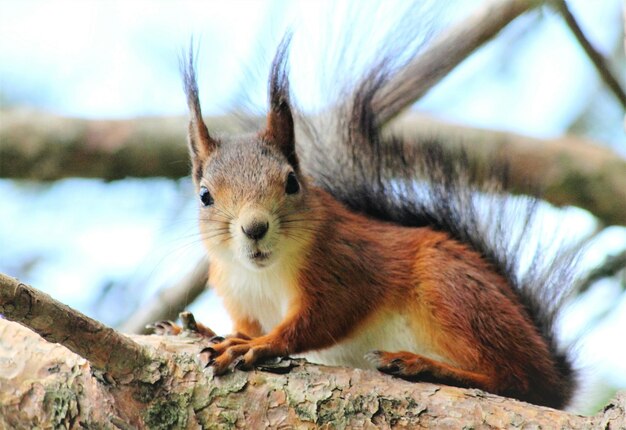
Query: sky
{"x": 118, "y": 58}
{"x": 81, "y": 238}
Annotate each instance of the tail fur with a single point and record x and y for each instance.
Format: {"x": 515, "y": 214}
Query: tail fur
{"x": 421, "y": 183}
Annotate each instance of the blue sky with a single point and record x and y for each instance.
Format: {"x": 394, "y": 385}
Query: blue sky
{"x": 118, "y": 58}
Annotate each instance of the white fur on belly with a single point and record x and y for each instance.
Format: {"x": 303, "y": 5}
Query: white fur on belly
{"x": 390, "y": 332}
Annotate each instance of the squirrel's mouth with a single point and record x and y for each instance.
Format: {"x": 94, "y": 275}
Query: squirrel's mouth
{"x": 259, "y": 257}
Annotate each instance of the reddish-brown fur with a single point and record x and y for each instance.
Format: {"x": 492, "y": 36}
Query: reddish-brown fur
{"x": 343, "y": 273}
{"x": 357, "y": 267}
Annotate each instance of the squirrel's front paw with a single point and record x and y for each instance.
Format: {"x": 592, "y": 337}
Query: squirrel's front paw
{"x": 165, "y": 328}
{"x": 243, "y": 353}
{"x": 189, "y": 325}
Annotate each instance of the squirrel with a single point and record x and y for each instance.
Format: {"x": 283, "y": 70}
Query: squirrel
{"x": 364, "y": 250}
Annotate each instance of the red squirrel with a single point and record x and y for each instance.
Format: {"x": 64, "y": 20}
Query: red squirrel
{"x": 331, "y": 251}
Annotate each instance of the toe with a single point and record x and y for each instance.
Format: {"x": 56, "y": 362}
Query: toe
{"x": 164, "y": 328}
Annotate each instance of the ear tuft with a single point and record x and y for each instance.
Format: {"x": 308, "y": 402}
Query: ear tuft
{"x": 280, "y": 125}
{"x": 201, "y": 144}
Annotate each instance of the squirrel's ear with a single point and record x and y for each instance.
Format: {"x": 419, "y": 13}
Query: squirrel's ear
{"x": 201, "y": 144}
{"x": 280, "y": 126}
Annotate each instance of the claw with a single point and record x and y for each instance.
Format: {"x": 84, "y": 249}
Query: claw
{"x": 164, "y": 327}
{"x": 376, "y": 358}
{"x": 277, "y": 365}
{"x": 373, "y": 357}
{"x": 206, "y": 357}
{"x": 240, "y": 364}
{"x": 218, "y": 368}
{"x": 210, "y": 351}
{"x": 234, "y": 353}
{"x": 391, "y": 369}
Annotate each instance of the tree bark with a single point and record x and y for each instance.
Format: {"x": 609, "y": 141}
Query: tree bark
{"x": 45, "y": 385}
{"x": 105, "y": 348}
{"x": 571, "y": 171}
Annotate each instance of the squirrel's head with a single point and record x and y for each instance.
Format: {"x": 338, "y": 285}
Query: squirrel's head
{"x": 253, "y": 198}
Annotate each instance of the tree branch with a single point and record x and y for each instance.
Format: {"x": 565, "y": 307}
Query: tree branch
{"x": 569, "y": 171}
{"x": 40, "y": 146}
{"x": 103, "y": 347}
{"x": 66, "y": 391}
{"x": 446, "y": 52}
{"x": 596, "y": 58}
{"x": 66, "y": 394}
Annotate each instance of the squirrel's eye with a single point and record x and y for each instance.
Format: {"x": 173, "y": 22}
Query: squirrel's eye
{"x": 292, "y": 186}
{"x": 205, "y": 197}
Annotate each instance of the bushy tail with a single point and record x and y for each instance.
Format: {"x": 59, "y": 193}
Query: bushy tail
{"x": 419, "y": 183}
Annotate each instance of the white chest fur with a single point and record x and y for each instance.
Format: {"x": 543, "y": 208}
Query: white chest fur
{"x": 261, "y": 295}
{"x": 266, "y": 296}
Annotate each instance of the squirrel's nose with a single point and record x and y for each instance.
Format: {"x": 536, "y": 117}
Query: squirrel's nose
{"x": 256, "y": 230}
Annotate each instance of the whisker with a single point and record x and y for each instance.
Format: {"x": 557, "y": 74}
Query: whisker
{"x": 195, "y": 233}
{"x": 215, "y": 217}
{"x": 302, "y": 228}
{"x": 213, "y": 236}
{"x": 296, "y": 238}
{"x": 290, "y": 221}
{"x": 224, "y": 212}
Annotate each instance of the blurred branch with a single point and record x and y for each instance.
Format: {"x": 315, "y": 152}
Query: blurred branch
{"x": 444, "y": 53}
{"x": 107, "y": 350}
{"x": 596, "y": 58}
{"x": 610, "y": 267}
{"x": 568, "y": 170}
{"x": 42, "y": 146}
{"x": 571, "y": 171}
{"x": 171, "y": 301}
